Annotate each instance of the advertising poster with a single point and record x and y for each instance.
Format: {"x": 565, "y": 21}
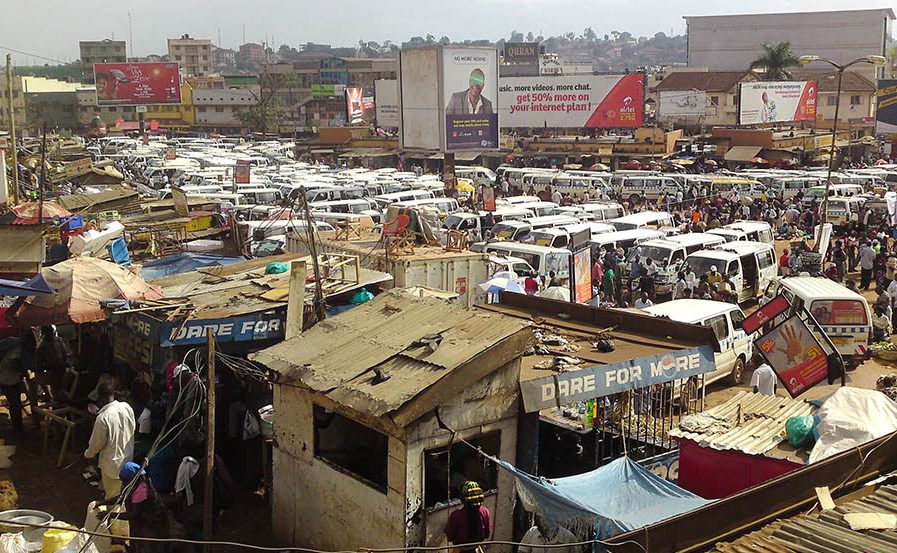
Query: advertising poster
{"x": 386, "y": 100}
{"x": 776, "y": 102}
{"x": 682, "y": 103}
{"x": 886, "y": 107}
{"x": 137, "y": 83}
{"x": 572, "y": 101}
{"x": 241, "y": 174}
{"x": 795, "y": 356}
{"x": 582, "y": 273}
{"x": 470, "y": 88}
{"x": 354, "y": 107}
{"x": 522, "y": 52}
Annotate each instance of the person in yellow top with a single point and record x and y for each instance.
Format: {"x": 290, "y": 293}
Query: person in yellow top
{"x": 714, "y": 276}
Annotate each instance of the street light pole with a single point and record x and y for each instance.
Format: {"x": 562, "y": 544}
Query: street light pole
{"x": 805, "y": 60}
{"x": 823, "y": 209}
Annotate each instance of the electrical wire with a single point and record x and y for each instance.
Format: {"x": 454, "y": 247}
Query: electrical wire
{"x": 93, "y": 534}
{"x": 31, "y": 55}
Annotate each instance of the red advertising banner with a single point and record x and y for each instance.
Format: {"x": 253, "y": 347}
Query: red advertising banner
{"x": 137, "y": 83}
{"x": 795, "y": 356}
{"x": 488, "y": 199}
{"x": 354, "y": 106}
{"x": 582, "y": 273}
{"x": 241, "y": 174}
{"x": 765, "y": 313}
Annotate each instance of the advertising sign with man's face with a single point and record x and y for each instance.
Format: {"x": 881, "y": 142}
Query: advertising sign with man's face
{"x": 137, "y": 83}
{"x": 470, "y": 90}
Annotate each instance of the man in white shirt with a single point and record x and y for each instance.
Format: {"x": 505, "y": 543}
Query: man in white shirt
{"x": 112, "y": 438}
{"x": 867, "y": 263}
{"x": 643, "y": 302}
{"x": 540, "y": 535}
{"x": 763, "y": 381}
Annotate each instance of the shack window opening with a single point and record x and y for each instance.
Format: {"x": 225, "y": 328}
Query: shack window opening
{"x": 447, "y": 468}
{"x": 351, "y": 447}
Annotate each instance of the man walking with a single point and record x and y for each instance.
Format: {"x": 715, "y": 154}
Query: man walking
{"x": 112, "y": 438}
{"x": 867, "y": 262}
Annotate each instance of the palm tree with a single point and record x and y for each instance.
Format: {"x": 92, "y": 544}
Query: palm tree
{"x": 775, "y": 61}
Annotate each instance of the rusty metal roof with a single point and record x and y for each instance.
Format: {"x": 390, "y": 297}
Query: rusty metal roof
{"x": 341, "y": 356}
{"x": 750, "y": 423}
{"x": 825, "y": 531}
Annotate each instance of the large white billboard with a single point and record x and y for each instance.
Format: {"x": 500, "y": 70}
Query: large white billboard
{"x": 776, "y": 102}
{"x": 682, "y": 103}
{"x": 571, "y": 101}
{"x": 470, "y": 89}
{"x": 386, "y": 102}
{"x": 419, "y": 99}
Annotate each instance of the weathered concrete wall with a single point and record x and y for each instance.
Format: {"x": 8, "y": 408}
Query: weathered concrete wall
{"x": 317, "y": 506}
{"x": 489, "y": 405}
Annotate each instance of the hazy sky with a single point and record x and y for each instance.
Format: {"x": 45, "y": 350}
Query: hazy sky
{"x": 52, "y": 28}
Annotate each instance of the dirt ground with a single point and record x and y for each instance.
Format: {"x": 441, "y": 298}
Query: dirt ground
{"x": 65, "y": 494}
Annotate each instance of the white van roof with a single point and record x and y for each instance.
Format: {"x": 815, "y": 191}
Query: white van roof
{"x": 525, "y": 248}
{"x": 642, "y": 217}
{"x": 744, "y": 247}
{"x": 817, "y": 287}
{"x": 552, "y": 220}
{"x": 748, "y": 226}
{"x": 694, "y": 239}
{"x": 690, "y": 310}
{"x": 623, "y": 235}
{"x": 724, "y": 255}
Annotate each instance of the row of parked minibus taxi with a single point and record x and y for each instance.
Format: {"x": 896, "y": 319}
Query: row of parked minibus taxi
{"x": 744, "y": 251}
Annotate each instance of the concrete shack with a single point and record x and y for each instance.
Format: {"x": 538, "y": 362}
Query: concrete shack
{"x": 359, "y": 457}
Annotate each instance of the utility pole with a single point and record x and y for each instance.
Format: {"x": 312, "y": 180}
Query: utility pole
{"x": 130, "y": 36}
{"x": 207, "y": 507}
{"x": 12, "y": 131}
{"x": 43, "y": 178}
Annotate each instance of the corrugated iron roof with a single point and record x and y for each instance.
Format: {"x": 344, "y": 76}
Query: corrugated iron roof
{"x": 825, "y": 531}
{"x": 760, "y": 429}
{"x": 338, "y": 356}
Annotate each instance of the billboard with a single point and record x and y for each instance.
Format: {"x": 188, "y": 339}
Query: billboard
{"x": 572, "y": 101}
{"x": 469, "y": 93}
{"x": 354, "y": 106}
{"x": 522, "y": 52}
{"x": 794, "y": 354}
{"x": 886, "y": 107}
{"x": 137, "y": 83}
{"x": 386, "y": 98}
{"x": 327, "y": 90}
{"x": 776, "y": 102}
{"x": 419, "y": 98}
{"x": 682, "y": 103}
{"x": 582, "y": 275}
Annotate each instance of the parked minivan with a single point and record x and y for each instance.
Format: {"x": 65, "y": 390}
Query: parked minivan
{"x": 669, "y": 254}
{"x": 639, "y": 189}
{"x": 756, "y": 231}
{"x": 726, "y": 320}
{"x": 544, "y": 260}
{"x": 626, "y": 239}
{"x": 642, "y": 219}
{"x": 749, "y": 265}
{"x": 843, "y": 315}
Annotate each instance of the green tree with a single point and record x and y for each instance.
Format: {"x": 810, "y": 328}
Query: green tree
{"x": 775, "y": 61}
{"x": 263, "y": 116}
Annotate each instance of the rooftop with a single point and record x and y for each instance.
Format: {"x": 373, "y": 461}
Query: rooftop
{"x": 708, "y": 81}
{"x": 827, "y": 81}
{"x": 415, "y": 343}
{"x": 828, "y": 530}
{"x": 750, "y": 423}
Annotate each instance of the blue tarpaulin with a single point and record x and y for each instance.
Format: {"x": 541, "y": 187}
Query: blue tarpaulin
{"x": 616, "y": 498}
{"x": 183, "y": 262}
{"x": 36, "y": 286}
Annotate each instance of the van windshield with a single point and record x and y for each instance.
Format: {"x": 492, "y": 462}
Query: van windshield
{"x": 659, "y": 254}
{"x": 506, "y": 232}
{"x": 701, "y": 265}
{"x": 541, "y": 238}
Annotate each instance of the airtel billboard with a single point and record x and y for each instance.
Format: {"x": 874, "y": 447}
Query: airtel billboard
{"x": 137, "y": 84}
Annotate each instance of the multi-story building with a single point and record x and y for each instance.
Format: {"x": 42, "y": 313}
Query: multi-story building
{"x": 18, "y": 103}
{"x": 38, "y": 99}
{"x": 217, "y": 108}
{"x": 251, "y": 55}
{"x": 732, "y": 42}
{"x": 223, "y": 58}
{"x": 193, "y": 55}
{"x": 173, "y": 116}
{"x": 100, "y": 51}
{"x": 311, "y": 91}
